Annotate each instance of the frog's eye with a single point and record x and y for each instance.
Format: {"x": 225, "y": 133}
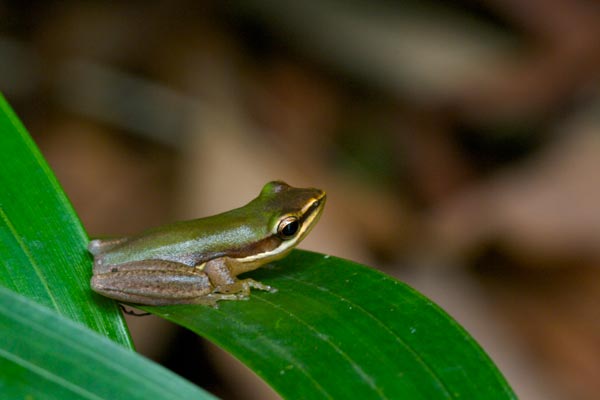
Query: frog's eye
{"x": 288, "y": 227}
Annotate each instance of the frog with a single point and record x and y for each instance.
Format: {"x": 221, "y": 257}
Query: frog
{"x": 198, "y": 261}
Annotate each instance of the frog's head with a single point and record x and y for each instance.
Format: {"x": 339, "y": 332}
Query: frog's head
{"x": 294, "y": 211}
{"x": 289, "y": 213}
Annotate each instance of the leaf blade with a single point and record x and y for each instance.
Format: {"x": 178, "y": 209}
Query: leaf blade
{"x": 42, "y": 243}
{"x": 49, "y": 356}
{"x": 336, "y": 329}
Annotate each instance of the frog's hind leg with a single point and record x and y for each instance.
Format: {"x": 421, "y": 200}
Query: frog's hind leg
{"x": 101, "y": 246}
{"x": 153, "y": 282}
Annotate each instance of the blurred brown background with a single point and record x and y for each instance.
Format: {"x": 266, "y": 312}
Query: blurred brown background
{"x": 459, "y": 143}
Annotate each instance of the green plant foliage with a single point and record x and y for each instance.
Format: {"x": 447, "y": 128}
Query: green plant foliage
{"x": 46, "y": 356}
{"x": 42, "y": 243}
{"x": 336, "y": 329}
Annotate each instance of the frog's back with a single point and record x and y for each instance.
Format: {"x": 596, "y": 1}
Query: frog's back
{"x": 99, "y": 247}
{"x": 188, "y": 242}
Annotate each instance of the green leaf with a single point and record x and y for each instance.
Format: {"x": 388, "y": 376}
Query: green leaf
{"x": 42, "y": 243}
{"x": 336, "y": 329}
{"x": 43, "y": 355}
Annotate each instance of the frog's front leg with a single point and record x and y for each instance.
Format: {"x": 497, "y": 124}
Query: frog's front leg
{"x": 219, "y": 270}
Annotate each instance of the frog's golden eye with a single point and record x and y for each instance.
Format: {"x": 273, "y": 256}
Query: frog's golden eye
{"x": 288, "y": 227}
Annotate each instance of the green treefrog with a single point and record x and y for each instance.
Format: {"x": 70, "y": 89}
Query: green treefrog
{"x": 198, "y": 261}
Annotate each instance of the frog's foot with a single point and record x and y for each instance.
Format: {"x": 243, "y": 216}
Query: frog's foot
{"x": 212, "y": 299}
{"x": 258, "y": 285}
{"x": 238, "y": 290}
{"x": 130, "y": 311}
{"x": 241, "y": 288}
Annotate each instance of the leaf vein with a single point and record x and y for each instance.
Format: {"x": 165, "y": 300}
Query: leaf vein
{"x": 278, "y": 349}
{"x": 379, "y": 322}
{"x": 352, "y": 363}
{"x": 47, "y": 375}
{"x": 29, "y": 256}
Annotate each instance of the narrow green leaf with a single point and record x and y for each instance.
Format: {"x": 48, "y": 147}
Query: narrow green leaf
{"x": 42, "y": 243}
{"x": 43, "y": 355}
{"x": 339, "y": 330}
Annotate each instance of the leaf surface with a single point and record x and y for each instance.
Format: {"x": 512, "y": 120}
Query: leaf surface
{"x": 46, "y": 356}
{"x": 336, "y": 329}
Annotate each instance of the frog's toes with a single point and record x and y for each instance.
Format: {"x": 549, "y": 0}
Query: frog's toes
{"x": 260, "y": 286}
